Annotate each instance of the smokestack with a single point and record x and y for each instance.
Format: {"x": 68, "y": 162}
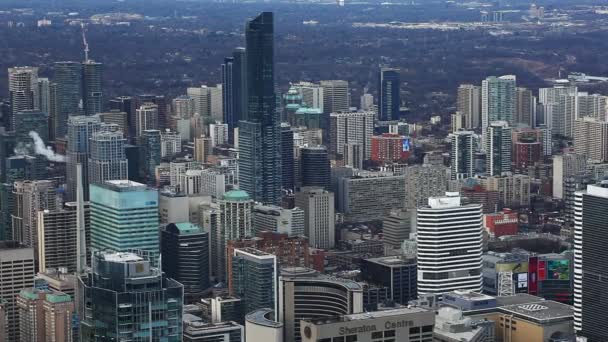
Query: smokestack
{"x": 81, "y": 247}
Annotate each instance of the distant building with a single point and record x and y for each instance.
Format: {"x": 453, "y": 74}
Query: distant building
{"x": 398, "y": 274}
{"x": 498, "y": 148}
{"x": 389, "y": 147}
{"x": 498, "y": 100}
{"x": 469, "y": 104}
{"x": 501, "y": 223}
{"x": 319, "y": 220}
{"x": 462, "y": 154}
{"x": 253, "y": 278}
{"x": 351, "y": 128}
{"x": 591, "y": 138}
{"x": 424, "y": 181}
{"x": 565, "y": 166}
{"x": 278, "y": 219}
{"x": 315, "y": 166}
{"x": 389, "y": 99}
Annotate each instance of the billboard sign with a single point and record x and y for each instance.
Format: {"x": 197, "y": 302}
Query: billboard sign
{"x": 406, "y": 145}
{"x": 558, "y": 269}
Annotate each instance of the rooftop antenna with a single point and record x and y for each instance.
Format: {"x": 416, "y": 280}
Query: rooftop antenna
{"x": 84, "y": 41}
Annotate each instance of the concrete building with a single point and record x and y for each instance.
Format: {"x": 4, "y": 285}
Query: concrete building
{"x": 469, "y": 105}
{"x": 16, "y": 273}
{"x": 525, "y": 107}
{"x": 107, "y": 160}
{"x": 218, "y": 133}
{"x": 513, "y": 191}
{"x": 183, "y": 106}
{"x": 260, "y": 326}
{"x": 397, "y": 227}
{"x": 253, "y": 276}
{"x": 170, "y": 143}
{"x": 45, "y": 315}
{"x": 23, "y": 89}
{"x": 116, "y": 117}
{"x": 354, "y": 194}
{"x": 462, "y": 156}
{"x": 403, "y": 325}
{"x": 305, "y": 294}
{"x": 207, "y": 101}
{"x": 461, "y": 239}
{"x": 351, "y": 128}
{"x": 312, "y": 94}
{"x": 424, "y": 181}
{"x": 565, "y": 166}
{"x": 195, "y": 330}
{"x": 319, "y": 220}
{"x": 278, "y": 219}
{"x": 146, "y": 118}
{"x": 591, "y": 138}
{"x": 335, "y": 96}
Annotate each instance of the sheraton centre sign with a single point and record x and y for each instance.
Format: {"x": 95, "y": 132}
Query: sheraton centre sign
{"x": 388, "y": 325}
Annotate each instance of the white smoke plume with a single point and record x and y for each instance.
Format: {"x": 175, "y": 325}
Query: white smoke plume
{"x": 39, "y": 148}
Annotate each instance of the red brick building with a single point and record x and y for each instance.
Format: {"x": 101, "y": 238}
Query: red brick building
{"x": 502, "y": 223}
{"x": 390, "y": 147}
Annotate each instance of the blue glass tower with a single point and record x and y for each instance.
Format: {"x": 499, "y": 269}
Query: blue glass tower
{"x": 260, "y": 134}
{"x": 388, "y": 94}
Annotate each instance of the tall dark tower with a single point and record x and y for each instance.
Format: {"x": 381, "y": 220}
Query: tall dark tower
{"x": 68, "y": 77}
{"x": 234, "y": 90}
{"x": 287, "y": 157}
{"x": 260, "y": 133}
{"x": 388, "y": 94}
{"x": 92, "y": 94}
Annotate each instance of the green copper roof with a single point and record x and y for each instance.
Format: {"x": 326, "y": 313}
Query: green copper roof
{"x": 58, "y": 298}
{"x": 29, "y": 293}
{"x": 309, "y": 110}
{"x": 236, "y": 195}
{"x": 292, "y": 106}
{"x": 188, "y": 228}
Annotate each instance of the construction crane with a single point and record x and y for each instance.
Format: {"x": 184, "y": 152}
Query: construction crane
{"x": 84, "y": 41}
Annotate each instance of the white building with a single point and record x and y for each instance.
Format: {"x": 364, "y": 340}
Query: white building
{"x": 319, "y": 216}
{"x": 351, "y": 128}
{"x": 277, "y": 219}
{"x": 170, "y": 143}
{"x": 312, "y": 94}
{"x": 218, "y": 133}
{"x": 449, "y": 245}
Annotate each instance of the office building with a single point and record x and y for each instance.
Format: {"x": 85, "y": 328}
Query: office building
{"x": 162, "y": 120}
{"x": 462, "y": 155}
{"x": 253, "y": 278}
{"x": 16, "y": 273}
{"x": 305, "y": 294}
{"x": 195, "y": 330}
{"x": 335, "y": 96}
{"x": 352, "y": 156}
{"x": 351, "y": 128}
{"x": 151, "y": 156}
{"x": 23, "y": 90}
{"x": 68, "y": 94}
{"x": 235, "y": 217}
{"x": 589, "y": 266}
{"x": 315, "y": 166}
{"x": 397, "y": 227}
{"x": 125, "y": 104}
{"x": 389, "y": 99}
{"x": 271, "y": 218}
{"x": 260, "y": 325}
{"x": 525, "y": 107}
{"x": 591, "y": 138}
{"x": 45, "y": 315}
{"x": 398, "y": 274}
{"x": 403, "y": 325}
{"x": 469, "y": 105}
{"x": 260, "y": 135}
{"x": 565, "y": 166}
{"x": 92, "y": 89}
{"x": 498, "y": 100}
{"x": 218, "y": 132}
{"x": 107, "y": 159}
{"x": 116, "y": 117}
{"x": 319, "y": 220}
{"x": 185, "y": 250}
{"x": 170, "y": 144}
{"x": 424, "y": 181}
{"x": 498, "y": 148}
{"x": 513, "y": 191}
{"x": 312, "y": 94}
{"x": 388, "y": 148}
{"x": 108, "y": 299}
{"x": 146, "y": 118}
{"x": 234, "y": 90}
{"x": 354, "y": 194}
{"x": 124, "y": 216}
{"x": 221, "y": 309}
{"x": 460, "y": 239}
{"x": 57, "y": 236}
{"x": 287, "y": 157}
{"x": 183, "y": 107}
{"x": 207, "y": 101}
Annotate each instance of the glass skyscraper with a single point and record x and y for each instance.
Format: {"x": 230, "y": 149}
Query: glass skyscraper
{"x": 389, "y": 98}
{"x": 68, "y": 79}
{"x": 123, "y": 298}
{"x": 124, "y": 216}
{"x": 254, "y": 279}
{"x": 80, "y": 130}
{"x": 260, "y": 134}
{"x": 92, "y": 87}
{"x": 234, "y": 90}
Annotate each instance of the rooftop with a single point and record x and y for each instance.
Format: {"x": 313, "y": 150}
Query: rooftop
{"x": 121, "y": 257}
{"x": 236, "y": 195}
{"x": 263, "y": 317}
{"x": 367, "y": 315}
{"x": 392, "y": 261}
{"x": 188, "y": 228}
{"x": 542, "y": 311}
{"x": 123, "y": 185}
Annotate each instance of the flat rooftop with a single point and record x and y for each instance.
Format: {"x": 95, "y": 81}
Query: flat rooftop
{"x": 124, "y": 185}
{"x": 542, "y": 311}
{"x": 392, "y": 261}
{"x": 122, "y": 257}
{"x": 367, "y": 315}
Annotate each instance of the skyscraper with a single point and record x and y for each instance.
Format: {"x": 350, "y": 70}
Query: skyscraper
{"x": 498, "y": 100}
{"x": 80, "y": 130}
{"x": 45, "y": 315}
{"x": 124, "y": 216}
{"x": 234, "y": 90}
{"x": 449, "y": 245}
{"x": 183, "y": 107}
{"x": 469, "y": 105}
{"x": 287, "y": 157}
{"x": 335, "y": 96}
{"x": 253, "y": 278}
{"x": 591, "y": 138}
{"x": 498, "y": 148}
{"x": 23, "y": 89}
{"x": 590, "y": 238}
{"x": 185, "y": 250}
{"x": 351, "y": 128}
{"x": 319, "y": 220}
{"x": 146, "y": 118}
{"x": 124, "y": 298}
{"x": 92, "y": 90}
{"x": 389, "y": 98}
{"x": 68, "y": 95}
{"x": 151, "y": 156}
{"x": 162, "y": 119}
{"x": 126, "y": 104}
{"x": 525, "y": 110}
{"x": 462, "y": 154}
{"x": 315, "y": 166}
{"x": 107, "y": 159}
{"x": 260, "y": 134}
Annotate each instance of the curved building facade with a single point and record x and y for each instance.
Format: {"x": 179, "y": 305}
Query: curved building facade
{"x": 260, "y": 326}
{"x": 449, "y": 242}
{"x": 305, "y": 294}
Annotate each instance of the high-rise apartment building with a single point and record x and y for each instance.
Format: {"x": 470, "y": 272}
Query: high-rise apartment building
{"x": 107, "y": 159}
{"x": 312, "y": 94}
{"x": 16, "y": 273}
{"x": 449, "y": 260}
{"x": 152, "y": 148}
{"x": 146, "y": 118}
{"x": 498, "y": 100}
{"x": 234, "y": 90}
{"x": 218, "y": 132}
{"x": 462, "y": 164}
{"x": 498, "y": 148}
{"x": 80, "y": 129}
{"x": 591, "y": 138}
{"x": 272, "y": 218}
{"x": 351, "y": 128}
{"x": 592, "y": 105}
{"x": 185, "y": 251}
{"x": 253, "y": 278}
{"x": 45, "y": 315}
{"x": 183, "y": 107}
{"x": 68, "y": 94}
{"x": 124, "y": 216}
{"x": 260, "y": 135}
{"x": 590, "y": 238}
{"x": 124, "y": 298}
{"x": 160, "y": 101}
{"x": 170, "y": 144}
{"x": 469, "y": 105}
{"x": 234, "y": 222}
{"x": 126, "y": 104}
{"x": 319, "y": 219}
{"x": 565, "y": 166}
{"x": 23, "y": 90}
{"x": 389, "y": 99}
{"x": 424, "y": 181}
{"x": 525, "y": 109}
{"x": 92, "y": 87}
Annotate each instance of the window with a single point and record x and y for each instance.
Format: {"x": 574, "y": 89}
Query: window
{"x": 389, "y": 333}
{"x": 377, "y": 334}
{"x": 414, "y": 330}
{"x": 351, "y": 338}
{"x": 339, "y": 339}
{"x": 427, "y": 328}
